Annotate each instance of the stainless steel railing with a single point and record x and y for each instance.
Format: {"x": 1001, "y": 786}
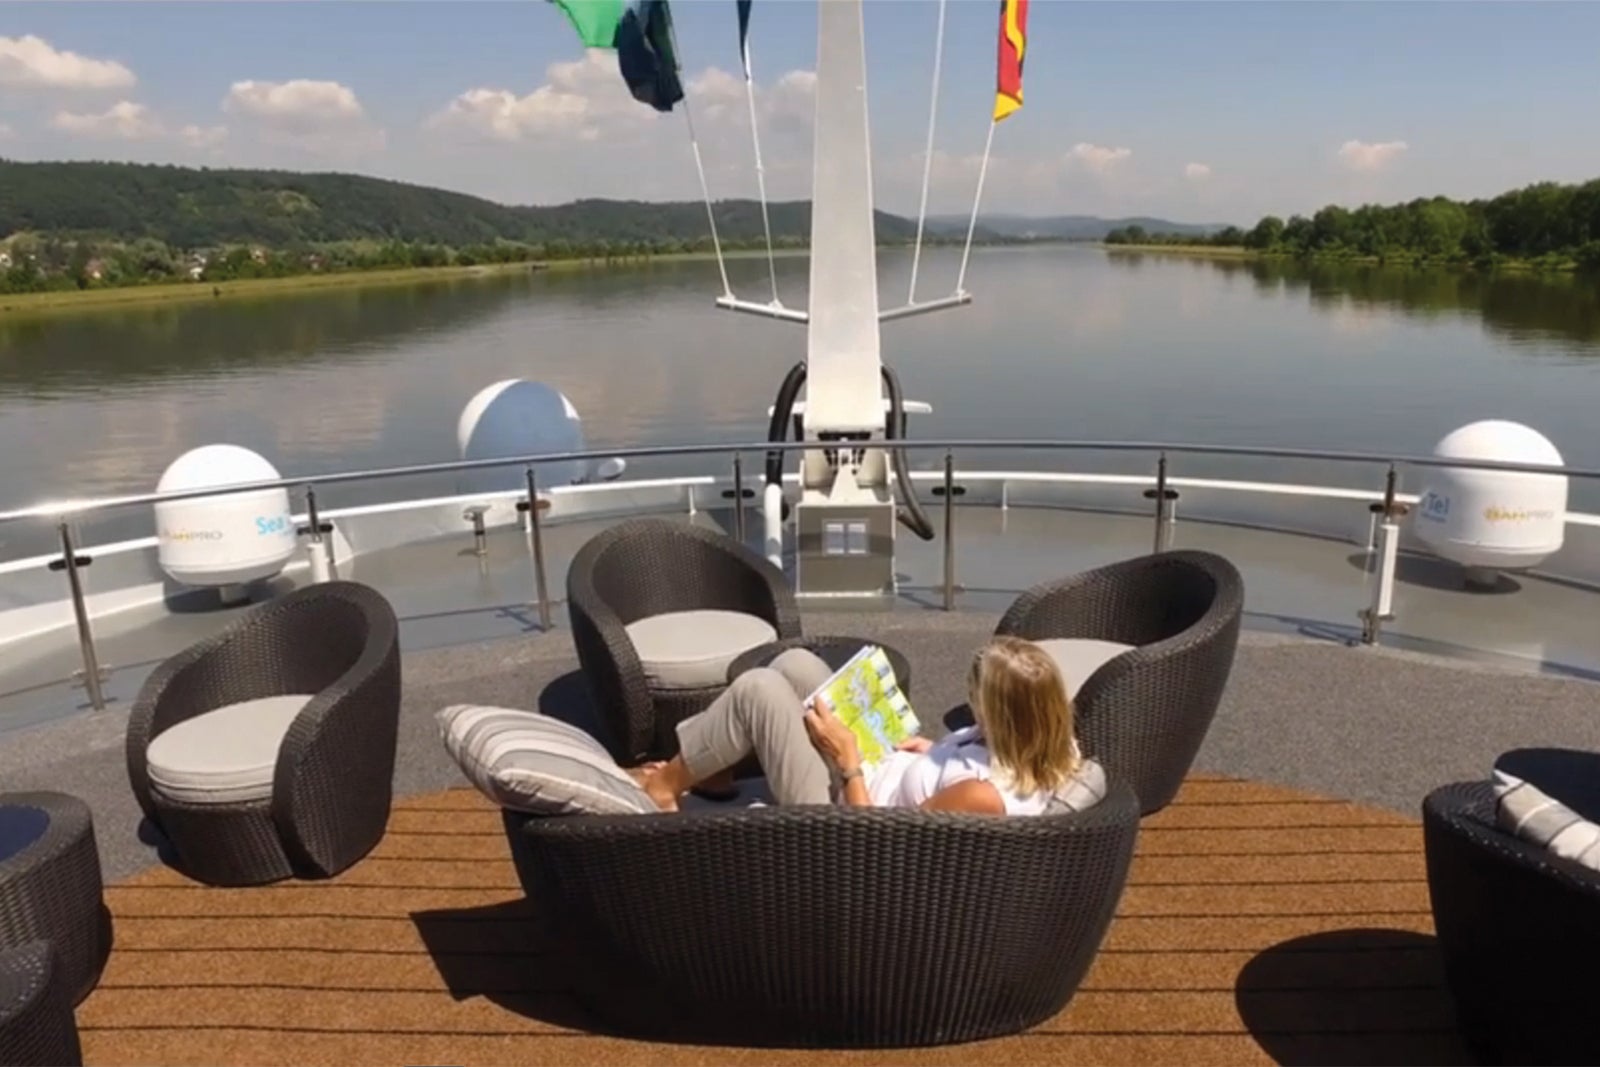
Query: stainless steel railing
{"x": 63, "y": 508}
{"x": 1161, "y": 493}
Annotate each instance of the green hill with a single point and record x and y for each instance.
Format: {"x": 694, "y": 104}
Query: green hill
{"x": 184, "y": 207}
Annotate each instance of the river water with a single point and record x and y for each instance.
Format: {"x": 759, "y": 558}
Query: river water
{"x": 1065, "y": 342}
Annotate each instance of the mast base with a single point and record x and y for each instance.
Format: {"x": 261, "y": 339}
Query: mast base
{"x": 844, "y": 549}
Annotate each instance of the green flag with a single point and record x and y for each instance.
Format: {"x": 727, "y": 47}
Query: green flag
{"x": 595, "y": 20}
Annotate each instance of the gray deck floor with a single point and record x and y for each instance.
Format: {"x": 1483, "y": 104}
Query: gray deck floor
{"x": 1381, "y": 726}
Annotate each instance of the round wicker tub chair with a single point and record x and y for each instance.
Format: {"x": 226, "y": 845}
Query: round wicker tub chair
{"x": 826, "y": 926}
{"x": 659, "y": 609}
{"x": 37, "y": 1025}
{"x": 1146, "y": 646}
{"x": 1518, "y": 926}
{"x": 267, "y": 751}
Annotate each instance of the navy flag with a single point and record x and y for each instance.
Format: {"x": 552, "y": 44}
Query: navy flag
{"x": 744, "y": 35}
{"x": 641, "y": 33}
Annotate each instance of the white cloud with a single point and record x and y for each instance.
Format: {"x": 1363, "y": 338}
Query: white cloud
{"x": 317, "y": 116}
{"x": 33, "y": 63}
{"x": 124, "y": 120}
{"x": 1365, "y": 155}
{"x": 129, "y": 121}
{"x": 580, "y": 99}
{"x": 1096, "y": 157}
{"x": 587, "y": 100}
{"x": 1196, "y": 171}
{"x": 202, "y": 136}
{"x": 298, "y": 101}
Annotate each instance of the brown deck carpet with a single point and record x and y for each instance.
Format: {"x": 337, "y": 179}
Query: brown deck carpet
{"x": 1260, "y": 925}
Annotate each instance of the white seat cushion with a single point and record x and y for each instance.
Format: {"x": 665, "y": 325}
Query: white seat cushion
{"x": 692, "y": 649}
{"x": 1079, "y": 657}
{"x": 226, "y": 756}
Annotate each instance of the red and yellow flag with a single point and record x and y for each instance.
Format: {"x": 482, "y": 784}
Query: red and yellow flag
{"x": 1013, "y": 43}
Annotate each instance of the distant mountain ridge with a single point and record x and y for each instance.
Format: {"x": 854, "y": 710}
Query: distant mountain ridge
{"x": 188, "y": 207}
{"x": 1067, "y": 227}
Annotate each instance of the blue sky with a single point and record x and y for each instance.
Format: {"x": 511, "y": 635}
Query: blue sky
{"x": 1193, "y": 111}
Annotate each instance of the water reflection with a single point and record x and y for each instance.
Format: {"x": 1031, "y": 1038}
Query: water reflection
{"x": 1513, "y": 305}
{"x": 42, "y": 356}
{"x": 1063, "y": 342}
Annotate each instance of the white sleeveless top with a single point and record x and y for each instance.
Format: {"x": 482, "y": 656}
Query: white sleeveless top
{"x": 908, "y": 779}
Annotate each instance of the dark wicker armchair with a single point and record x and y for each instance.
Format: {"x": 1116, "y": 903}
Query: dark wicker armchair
{"x": 825, "y": 926}
{"x": 645, "y": 568}
{"x": 1144, "y": 712}
{"x": 1518, "y": 927}
{"x": 322, "y": 801}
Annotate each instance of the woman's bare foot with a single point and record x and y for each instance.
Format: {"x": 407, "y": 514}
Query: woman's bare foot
{"x": 652, "y": 779}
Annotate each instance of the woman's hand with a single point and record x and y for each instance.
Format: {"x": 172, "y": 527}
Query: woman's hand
{"x": 831, "y": 737}
{"x": 918, "y": 745}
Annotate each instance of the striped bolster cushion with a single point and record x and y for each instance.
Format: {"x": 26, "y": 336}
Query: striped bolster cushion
{"x": 1526, "y": 813}
{"x": 1083, "y": 790}
{"x": 526, "y": 761}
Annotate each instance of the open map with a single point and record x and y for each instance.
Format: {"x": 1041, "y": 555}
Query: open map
{"x": 868, "y": 699}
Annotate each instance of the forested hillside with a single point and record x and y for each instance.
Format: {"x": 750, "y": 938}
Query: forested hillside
{"x": 189, "y": 208}
{"x": 1548, "y": 224}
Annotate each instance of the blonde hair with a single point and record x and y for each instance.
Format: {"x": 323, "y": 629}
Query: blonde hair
{"x": 1022, "y": 707}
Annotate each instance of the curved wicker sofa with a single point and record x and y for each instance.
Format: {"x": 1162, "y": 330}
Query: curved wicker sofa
{"x": 1144, "y": 713}
{"x": 1518, "y": 927}
{"x": 825, "y": 926}
{"x": 334, "y": 780}
{"x": 646, "y": 567}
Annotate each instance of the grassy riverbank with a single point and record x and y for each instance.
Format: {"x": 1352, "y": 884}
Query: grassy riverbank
{"x": 73, "y": 300}
{"x": 1545, "y": 265}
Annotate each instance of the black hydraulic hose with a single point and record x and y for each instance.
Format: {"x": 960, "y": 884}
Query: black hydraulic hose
{"x": 911, "y": 515}
{"x": 778, "y": 427}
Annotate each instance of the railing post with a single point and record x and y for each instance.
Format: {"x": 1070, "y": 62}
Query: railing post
{"x": 70, "y": 563}
{"x": 480, "y": 534}
{"x": 1381, "y": 607}
{"x": 738, "y": 496}
{"x": 536, "y": 535}
{"x": 322, "y": 566}
{"x": 949, "y": 532}
{"x": 1163, "y": 498}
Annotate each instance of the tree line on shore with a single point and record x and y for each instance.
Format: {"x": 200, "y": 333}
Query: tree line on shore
{"x": 1547, "y": 225}
{"x": 33, "y": 264}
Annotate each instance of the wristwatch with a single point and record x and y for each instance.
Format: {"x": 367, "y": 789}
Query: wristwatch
{"x": 845, "y": 776}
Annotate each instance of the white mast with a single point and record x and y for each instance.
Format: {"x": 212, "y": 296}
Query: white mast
{"x": 844, "y": 392}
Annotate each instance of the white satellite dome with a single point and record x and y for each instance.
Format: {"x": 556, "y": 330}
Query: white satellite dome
{"x": 223, "y": 540}
{"x": 1489, "y": 520}
{"x": 514, "y": 418}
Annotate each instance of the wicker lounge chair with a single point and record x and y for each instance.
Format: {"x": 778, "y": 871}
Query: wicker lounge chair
{"x": 1147, "y": 645}
{"x": 659, "y": 609}
{"x": 304, "y": 692}
{"x": 1518, "y": 926}
{"x": 824, "y": 926}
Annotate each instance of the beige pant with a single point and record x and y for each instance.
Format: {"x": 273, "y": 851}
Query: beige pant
{"x": 762, "y": 713}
